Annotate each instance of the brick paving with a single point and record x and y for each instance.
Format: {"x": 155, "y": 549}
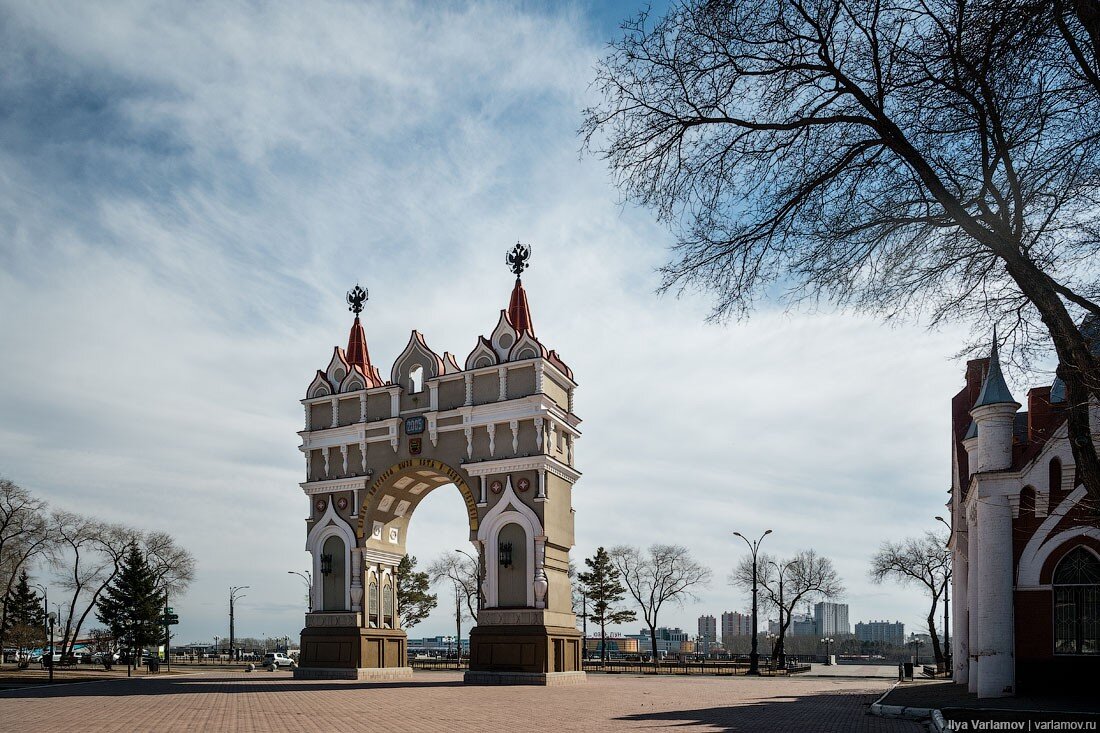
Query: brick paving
{"x": 438, "y": 701}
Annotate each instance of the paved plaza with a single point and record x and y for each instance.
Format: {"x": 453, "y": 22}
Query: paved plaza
{"x": 438, "y": 701}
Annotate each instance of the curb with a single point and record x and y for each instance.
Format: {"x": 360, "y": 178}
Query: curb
{"x": 907, "y": 713}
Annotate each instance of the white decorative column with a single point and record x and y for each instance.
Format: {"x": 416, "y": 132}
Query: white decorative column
{"x": 344, "y": 457}
{"x": 469, "y": 432}
{"x": 514, "y": 425}
{"x": 502, "y": 373}
{"x": 540, "y": 495}
{"x": 362, "y": 406}
{"x": 541, "y": 584}
{"x": 356, "y": 580}
{"x": 996, "y": 635}
{"x": 324, "y": 454}
{"x": 960, "y": 618}
{"x": 538, "y": 432}
{"x": 973, "y": 596}
{"x": 469, "y": 389}
{"x": 335, "y": 412}
{"x": 309, "y": 411}
{"x": 492, "y": 430}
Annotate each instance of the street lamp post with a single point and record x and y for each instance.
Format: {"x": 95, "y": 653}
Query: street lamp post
{"x": 217, "y": 654}
{"x": 828, "y": 642}
{"x": 307, "y": 578}
{"x": 233, "y": 598}
{"x": 53, "y": 619}
{"x": 45, "y": 607}
{"x": 754, "y": 656}
{"x": 946, "y": 611}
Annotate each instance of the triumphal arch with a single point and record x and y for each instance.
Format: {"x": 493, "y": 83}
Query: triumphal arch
{"x": 499, "y": 426}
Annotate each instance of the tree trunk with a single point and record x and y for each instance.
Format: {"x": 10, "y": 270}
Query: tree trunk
{"x": 603, "y": 640}
{"x": 1076, "y": 367}
{"x": 937, "y": 651}
{"x": 653, "y": 644}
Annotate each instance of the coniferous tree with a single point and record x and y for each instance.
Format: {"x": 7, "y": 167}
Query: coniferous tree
{"x": 24, "y": 622}
{"x": 414, "y": 602}
{"x": 603, "y": 589}
{"x": 131, "y": 605}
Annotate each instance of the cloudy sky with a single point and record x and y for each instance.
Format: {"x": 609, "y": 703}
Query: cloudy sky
{"x": 187, "y": 191}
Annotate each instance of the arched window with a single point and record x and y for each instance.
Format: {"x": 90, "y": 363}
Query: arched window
{"x": 1055, "y": 475}
{"x": 512, "y": 580}
{"x": 387, "y": 606}
{"x": 1027, "y": 502}
{"x": 332, "y": 575}
{"x": 416, "y": 379}
{"x": 372, "y": 604}
{"x": 1077, "y": 603}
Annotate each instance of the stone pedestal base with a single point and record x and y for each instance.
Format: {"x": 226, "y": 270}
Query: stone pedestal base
{"x": 377, "y": 674}
{"x": 547, "y": 679}
{"x": 350, "y": 650}
{"x": 524, "y": 652}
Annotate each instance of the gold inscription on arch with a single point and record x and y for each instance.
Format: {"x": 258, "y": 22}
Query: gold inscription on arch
{"x": 414, "y": 464}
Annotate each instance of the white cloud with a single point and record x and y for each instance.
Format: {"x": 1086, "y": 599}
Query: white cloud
{"x": 192, "y": 188}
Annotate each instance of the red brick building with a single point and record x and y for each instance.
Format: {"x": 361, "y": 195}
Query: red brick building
{"x": 1025, "y": 541}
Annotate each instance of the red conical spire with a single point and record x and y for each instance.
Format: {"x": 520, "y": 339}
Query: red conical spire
{"x": 357, "y": 353}
{"x": 519, "y": 313}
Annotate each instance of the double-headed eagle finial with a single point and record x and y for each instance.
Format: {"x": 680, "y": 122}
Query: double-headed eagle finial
{"x": 356, "y": 297}
{"x": 518, "y": 258}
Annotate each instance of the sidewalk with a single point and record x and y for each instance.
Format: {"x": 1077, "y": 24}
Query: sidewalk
{"x": 959, "y": 705}
{"x": 854, "y": 671}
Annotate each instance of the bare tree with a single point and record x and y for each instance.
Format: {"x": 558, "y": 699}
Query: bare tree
{"x": 923, "y": 561}
{"x": 803, "y": 578}
{"x": 24, "y": 535}
{"x": 923, "y": 158}
{"x": 661, "y": 574}
{"x": 173, "y": 566}
{"x": 462, "y": 572}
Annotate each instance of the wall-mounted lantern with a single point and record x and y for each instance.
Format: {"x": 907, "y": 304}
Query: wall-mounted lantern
{"x": 326, "y": 564}
{"x": 504, "y": 552}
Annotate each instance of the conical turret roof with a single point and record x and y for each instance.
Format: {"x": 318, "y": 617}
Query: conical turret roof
{"x": 519, "y": 313}
{"x": 994, "y": 389}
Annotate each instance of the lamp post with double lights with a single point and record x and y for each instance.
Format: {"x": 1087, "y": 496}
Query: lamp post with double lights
{"x": 307, "y": 578}
{"x": 233, "y": 598}
{"x": 946, "y": 609}
{"x": 828, "y": 642}
{"x": 754, "y": 548}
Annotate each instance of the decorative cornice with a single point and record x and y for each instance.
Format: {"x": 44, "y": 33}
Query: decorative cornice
{"x": 524, "y": 463}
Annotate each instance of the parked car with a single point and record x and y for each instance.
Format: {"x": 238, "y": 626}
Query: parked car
{"x": 276, "y": 660}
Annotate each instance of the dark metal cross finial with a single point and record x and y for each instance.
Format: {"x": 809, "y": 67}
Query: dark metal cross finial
{"x": 356, "y": 296}
{"x": 518, "y": 258}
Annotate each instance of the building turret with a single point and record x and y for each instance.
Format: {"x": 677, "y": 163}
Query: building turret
{"x": 994, "y": 416}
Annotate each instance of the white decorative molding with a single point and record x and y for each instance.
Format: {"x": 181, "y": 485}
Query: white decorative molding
{"x": 492, "y": 430}
{"x": 481, "y": 497}
{"x": 469, "y": 441}
{"x": 324, "y": 454}
{"x": 538, "y": 432}
{"x": 524, "y": 463}
{"x": 469, "y": 389}
{"x": 502, "y": 375}
{"x": 344, "y": 458}
{"x": 363, "y": 455}
{"x": 381, "y": 557}
{"x": 1041, "y": 544}
{"x": 394, "y": 535}
{"x": 363, "y": 407}
{"x": 319, "y": 387}
{"x": 417, "y": 349}
{"x": 514, "y": 425}
{"x": 540, "y": 583}
{"x": 330, "y": 524}
{"x": 508, "y": 509}
{"x": 308, "y": 410}
{"x": 335, "y": 412}
{"x": 376, "y": 531}
{"x": 433, "y": 430}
